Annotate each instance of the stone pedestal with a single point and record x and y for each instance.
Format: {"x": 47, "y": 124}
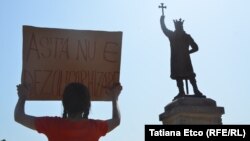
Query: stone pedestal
{"x": 191, "y": 110}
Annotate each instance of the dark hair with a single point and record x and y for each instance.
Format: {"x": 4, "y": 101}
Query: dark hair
{"x": 76, "y": 99}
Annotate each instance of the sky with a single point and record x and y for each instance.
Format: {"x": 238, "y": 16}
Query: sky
{"x": 219, "y": 27}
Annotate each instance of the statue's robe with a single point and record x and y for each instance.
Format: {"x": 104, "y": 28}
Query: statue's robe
{"x": 181, "y": 66}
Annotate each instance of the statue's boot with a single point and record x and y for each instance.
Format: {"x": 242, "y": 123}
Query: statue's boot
{"x": 197, "y": 92}
{"x": 195, "y": 88}
{"x": 180, "y": 94}
{"x": 181, "y": 89}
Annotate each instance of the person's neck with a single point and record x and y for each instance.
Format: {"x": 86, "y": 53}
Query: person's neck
{"x": 76, "y": 117}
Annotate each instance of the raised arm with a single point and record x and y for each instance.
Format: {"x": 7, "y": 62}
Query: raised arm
{"x": 19, "y": 115}
{"x": 165, "y": 30}
{"x": 116, "y": 116}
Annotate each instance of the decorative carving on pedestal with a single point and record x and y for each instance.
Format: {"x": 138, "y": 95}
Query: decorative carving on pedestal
{"x": 192, "y": 110}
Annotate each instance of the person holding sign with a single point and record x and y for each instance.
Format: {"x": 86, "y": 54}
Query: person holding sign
{"x": 75, "y": 124}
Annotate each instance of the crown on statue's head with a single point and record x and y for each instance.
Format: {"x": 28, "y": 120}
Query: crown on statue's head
{"x": 178, "y": 23}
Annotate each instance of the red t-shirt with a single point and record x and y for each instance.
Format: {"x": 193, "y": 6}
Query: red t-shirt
{"x": 61, "y": 129}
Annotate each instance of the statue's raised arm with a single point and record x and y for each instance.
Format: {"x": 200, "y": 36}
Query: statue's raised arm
{"x": 165, "y": 30}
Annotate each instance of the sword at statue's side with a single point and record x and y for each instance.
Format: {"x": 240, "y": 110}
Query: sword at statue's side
{"x": 162, "y": 8}
{"x": 186, "y": 81}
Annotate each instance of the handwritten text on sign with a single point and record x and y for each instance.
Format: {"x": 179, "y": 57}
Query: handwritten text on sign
{"x": 52, "y": 58}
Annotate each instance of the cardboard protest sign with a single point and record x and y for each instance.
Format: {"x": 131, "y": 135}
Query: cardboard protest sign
{"x": 52, "y": 58}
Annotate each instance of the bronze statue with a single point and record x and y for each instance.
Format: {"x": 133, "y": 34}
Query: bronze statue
{"x": 181, "y": 66}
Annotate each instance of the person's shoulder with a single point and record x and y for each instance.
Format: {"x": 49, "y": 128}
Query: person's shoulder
{"x": 51, "y": 118}
{"x": 47, "y": 121}
{"x": 96, "y": 120}
{"x": 100, "y": 124}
